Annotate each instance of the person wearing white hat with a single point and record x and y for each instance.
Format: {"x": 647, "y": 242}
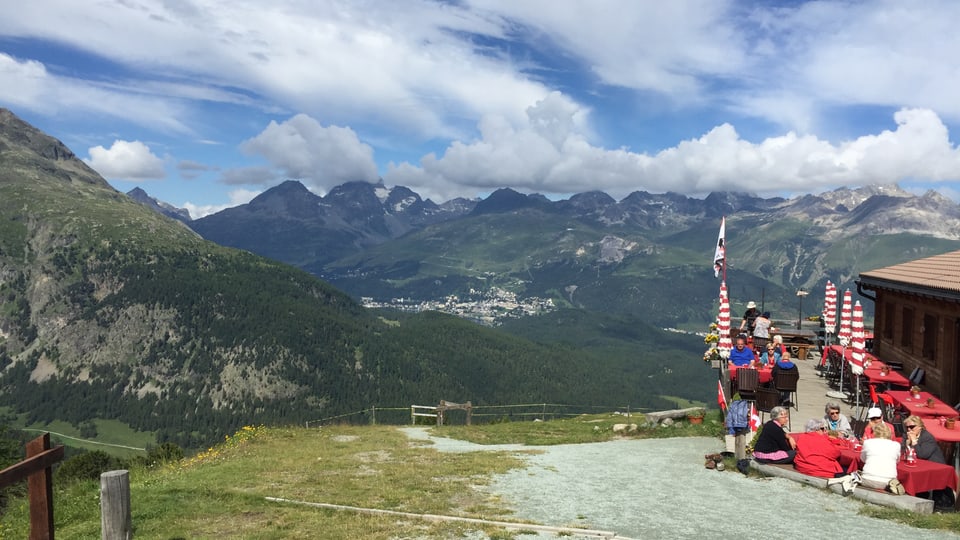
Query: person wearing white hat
{"x": 874, "y": 419}
{"x": 749, "y": 318}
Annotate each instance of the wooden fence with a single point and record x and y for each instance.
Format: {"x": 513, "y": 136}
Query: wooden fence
{"x": 37, "y": 468}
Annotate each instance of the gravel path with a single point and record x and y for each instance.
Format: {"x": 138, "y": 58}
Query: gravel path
{"x": 659, "y": 488}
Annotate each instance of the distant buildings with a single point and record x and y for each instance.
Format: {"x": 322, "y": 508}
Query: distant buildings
{"x": 485, "y": 307}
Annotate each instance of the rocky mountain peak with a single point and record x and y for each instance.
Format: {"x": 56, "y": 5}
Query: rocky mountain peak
{"x": 142, "y": 197}
{"x": 25, "y": 146}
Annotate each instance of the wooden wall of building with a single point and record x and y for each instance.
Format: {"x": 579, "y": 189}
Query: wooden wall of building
{"x": 920, "y": 331}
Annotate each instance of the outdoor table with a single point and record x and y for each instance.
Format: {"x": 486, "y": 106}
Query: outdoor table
{"x": 942, "y": 434}
{"x": 847, "y": 353}
{"x": 766, "y": 373}
{"x": 918, "y": 406}
{"x": 921, "y": 477}
{"x": 893, "y": 378}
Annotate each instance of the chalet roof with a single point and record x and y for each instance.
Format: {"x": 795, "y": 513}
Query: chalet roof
{"x": 938, "y": 276}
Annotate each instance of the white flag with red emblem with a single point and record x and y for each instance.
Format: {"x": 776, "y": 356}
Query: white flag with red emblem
{"x": 754, "y": 417}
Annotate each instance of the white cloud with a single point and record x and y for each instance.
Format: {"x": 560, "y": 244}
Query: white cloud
{"x": 321, "y": 157}
{"x": 564, "y": 162}
{"x": 237, "y": 197}
{"x": 126, "y": 160}
{"x": 29, "y": 84}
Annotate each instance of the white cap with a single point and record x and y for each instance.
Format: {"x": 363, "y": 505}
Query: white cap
{"x": 874, "y": 412}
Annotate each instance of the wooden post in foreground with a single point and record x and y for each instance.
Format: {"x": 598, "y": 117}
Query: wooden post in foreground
{"x": 115, "y": 522}
{"x": 40, "y": 492}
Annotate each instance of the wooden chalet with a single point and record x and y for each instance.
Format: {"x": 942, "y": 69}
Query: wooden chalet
{"x": 917, "y": 319}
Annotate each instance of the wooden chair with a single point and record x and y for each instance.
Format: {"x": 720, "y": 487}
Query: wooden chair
{"x": 858, "y": 426}
{"x": 767, "y": 399}
{"x": 786, "y": 381}
{"x": 748, "y": 380}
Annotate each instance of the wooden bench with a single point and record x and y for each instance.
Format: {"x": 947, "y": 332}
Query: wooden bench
{"x": 802, "y": 348}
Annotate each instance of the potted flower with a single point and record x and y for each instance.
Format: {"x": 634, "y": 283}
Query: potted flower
{"x": 915, "y": 392}
{"x": 696, "y": 416}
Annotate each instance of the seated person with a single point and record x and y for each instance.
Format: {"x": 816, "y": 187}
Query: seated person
{"x": 926, "y": 447}
{"x": 816, "y": 455}
{"x": 874, "y": 419}
{"x": 784, "y": 364}
{"x": 836, "y": 420}
{"x": 921, "y": 440}
{"x": 771, "y": 355}
{"x": 741, "y": 355}
{"x": 880, "y": 455}
{"x": 774, "y": 445}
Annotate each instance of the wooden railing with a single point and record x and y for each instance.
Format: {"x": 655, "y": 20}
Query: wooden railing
{"x": 37, "y": 468}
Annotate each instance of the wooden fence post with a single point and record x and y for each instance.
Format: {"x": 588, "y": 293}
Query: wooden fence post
{"x": 115, "y": 522}
{"x": 40, "y": 492}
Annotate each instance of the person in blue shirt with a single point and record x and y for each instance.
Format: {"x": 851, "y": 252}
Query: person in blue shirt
{"x": 785, "y": 363}
{"x": 741, "y": 354}
{"x": 771, "y": 355}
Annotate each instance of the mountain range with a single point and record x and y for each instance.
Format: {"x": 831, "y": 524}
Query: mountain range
{"x": 590, "y": 251}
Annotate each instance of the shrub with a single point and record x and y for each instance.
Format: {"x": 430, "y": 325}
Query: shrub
{"x": 86, "y": 466}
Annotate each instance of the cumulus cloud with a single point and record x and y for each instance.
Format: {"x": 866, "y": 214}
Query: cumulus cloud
{"x": 321, "y": 157}
{"x": 126, "y": 160}
{"x": 236, "y": 196}
{"x": 560, "y": 160}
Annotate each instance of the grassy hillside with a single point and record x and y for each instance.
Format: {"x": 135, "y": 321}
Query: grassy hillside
{"x": 220, "y": 492}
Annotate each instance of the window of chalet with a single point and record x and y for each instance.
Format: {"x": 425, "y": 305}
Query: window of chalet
{"x": 906, "y": 329}
{"x": 888, "y": 311}
{"x": 930, "y": 330}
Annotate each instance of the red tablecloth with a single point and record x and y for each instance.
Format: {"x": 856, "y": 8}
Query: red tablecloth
{"x": 922, "y": 477}
{"x": 918, "y": 406}
{"x": 766, "y": 373}
{"x": 941, "y": 433}
{"x": 847, "y": 354}
{"x": 894, "y": 378}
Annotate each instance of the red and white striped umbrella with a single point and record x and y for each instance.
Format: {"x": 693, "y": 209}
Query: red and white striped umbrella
{"x": 723, "y": 321}
{"x": 858, "y": 336}
{"x": 830, "y": 308}
{"x": 846, "y": 318}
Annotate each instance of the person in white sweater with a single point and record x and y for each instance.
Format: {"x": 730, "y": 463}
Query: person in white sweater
{"x": 880, "y": 455}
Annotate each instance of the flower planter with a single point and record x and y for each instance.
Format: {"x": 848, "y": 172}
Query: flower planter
{"x": 695, "y": 419}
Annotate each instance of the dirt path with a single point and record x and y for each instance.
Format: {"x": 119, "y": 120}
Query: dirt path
{"x": 658, "y": 488}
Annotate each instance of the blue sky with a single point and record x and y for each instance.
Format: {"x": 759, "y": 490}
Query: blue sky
{"x": 205, "y": 103}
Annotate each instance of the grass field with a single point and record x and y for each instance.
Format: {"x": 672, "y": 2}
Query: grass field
{"x": 112, "y": 435}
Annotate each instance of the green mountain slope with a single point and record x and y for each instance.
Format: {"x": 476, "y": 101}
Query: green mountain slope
{"x": 110, "y": 310}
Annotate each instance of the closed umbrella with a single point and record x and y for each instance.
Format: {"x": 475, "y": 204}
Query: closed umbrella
{"x": 858, "y": 346}
{"x": 723, "y": 323}
{"x": 846, "y": 318}
{"x": 830, "y": 310}
{"x": 844, "y": 335}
